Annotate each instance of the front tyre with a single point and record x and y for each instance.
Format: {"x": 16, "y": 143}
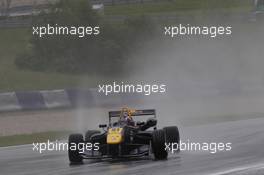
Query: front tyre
{"x": 158, "y": 145}
{"x": 73, "y": 151}
{"x": 172, "y": 135}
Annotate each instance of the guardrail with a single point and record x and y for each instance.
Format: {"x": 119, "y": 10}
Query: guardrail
{"x": 120, "y": 2}
{"x": 64, "y": 98}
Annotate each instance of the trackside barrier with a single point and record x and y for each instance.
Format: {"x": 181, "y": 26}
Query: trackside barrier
{"x": 64, "y": 98}
{"x": 9, "y": 102}
{"x": 56, "y": 99}
{"x": 80, "y": 97}
{"x": 31, "y": 100}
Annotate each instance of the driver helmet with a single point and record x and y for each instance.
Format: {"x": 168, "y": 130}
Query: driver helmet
{"x": 126, "y": 115}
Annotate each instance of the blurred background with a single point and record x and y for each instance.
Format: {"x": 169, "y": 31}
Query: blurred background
{"x": 208, "y": 79}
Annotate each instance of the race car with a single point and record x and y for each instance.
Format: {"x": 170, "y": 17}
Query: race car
{"x": 124, "y": 137}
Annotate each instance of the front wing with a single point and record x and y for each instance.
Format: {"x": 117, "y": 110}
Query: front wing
{"x": 140, "y": 151}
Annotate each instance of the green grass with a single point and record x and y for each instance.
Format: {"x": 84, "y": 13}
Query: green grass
{"x": 32, "y": 138}
{"x": 12, "y": 43}
{"x": 181, "y": 7}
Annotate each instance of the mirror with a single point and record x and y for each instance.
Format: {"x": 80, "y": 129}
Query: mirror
{"x": 102, "y": 126}
{"x": 152, "y": 122}
{"x": 140, "y": 123}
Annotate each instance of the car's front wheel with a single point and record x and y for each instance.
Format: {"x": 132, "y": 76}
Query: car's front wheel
{"x": 73, "y": 150}
{"x": 172, "y": 135}
{"x": 158, "y": 145}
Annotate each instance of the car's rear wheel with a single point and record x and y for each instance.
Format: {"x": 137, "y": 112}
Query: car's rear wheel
{"x": 89, "y": 133}
{"x": 158, "y": 145}
{"x": 73, "y": 151}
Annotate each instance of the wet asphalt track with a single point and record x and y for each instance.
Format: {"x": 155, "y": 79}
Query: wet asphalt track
{"x": 245, "y": 158}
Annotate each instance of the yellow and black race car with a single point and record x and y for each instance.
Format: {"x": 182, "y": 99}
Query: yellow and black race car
{"x": 123, "y": 138}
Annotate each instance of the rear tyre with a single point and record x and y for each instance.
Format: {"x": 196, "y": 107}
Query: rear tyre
{"x": 73, "y": 151}
{"x": 158, "y": 145}
{"x": 89, "y": 133}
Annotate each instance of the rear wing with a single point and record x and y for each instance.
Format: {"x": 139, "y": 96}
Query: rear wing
{"x": 135, "y": 113}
